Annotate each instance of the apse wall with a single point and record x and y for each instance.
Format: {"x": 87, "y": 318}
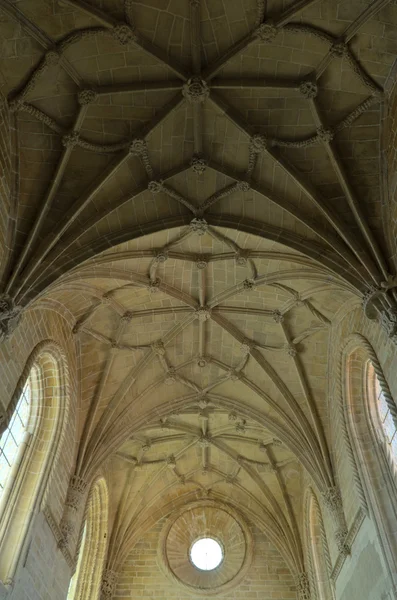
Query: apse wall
{"x": 267, "y": 577}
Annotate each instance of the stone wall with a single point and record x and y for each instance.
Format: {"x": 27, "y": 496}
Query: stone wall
{"x": 367, "y": 571}
{"x": 268, "y": 577}
{"x": 390, "y": 133}
{"x": 43, "y": 573}
{"x": 36, "y": 327}
{"x": 364, "y": 575}
{"x": 5, "y": 175}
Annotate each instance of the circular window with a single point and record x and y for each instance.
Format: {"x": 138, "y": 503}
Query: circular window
{"x": 206, "y": 547}
{"x": 206, "y": 554}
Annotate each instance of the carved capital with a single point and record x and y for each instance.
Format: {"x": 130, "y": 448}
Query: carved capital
{"x": 73, "y": 503}
{"x": 10, "y": 314}
{"x": 66, "y": 528}
{"x": 374, "y": 301}
{"x": 108, "y": 584}
{"x": 341, "y": 543}
{"x": 302, "y": 586}
{"x": 75, "y": 493}
{"x": 388, "y": 322}
{"x": 332, "y": 498}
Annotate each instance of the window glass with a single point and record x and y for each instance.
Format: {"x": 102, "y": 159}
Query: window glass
{"x": 386, "y": 419}
{"x": 12, "y": 437}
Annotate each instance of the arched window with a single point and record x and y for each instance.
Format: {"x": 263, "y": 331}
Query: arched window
{"x": 383, "y": 412}
{"x": 11, "y": 441}
{"x": 85, "y": 583}
{"x": 372, "y": 464}
{"x": 318, "y": 551}
{"x": 29, "y": 449}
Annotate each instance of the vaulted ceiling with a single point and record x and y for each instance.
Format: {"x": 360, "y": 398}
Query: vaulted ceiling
{"x": 199, "y": 190}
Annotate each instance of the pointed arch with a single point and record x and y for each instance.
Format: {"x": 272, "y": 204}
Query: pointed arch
{"x": 85, "y": 583}
{"x": 375, "y": 466}
{"x": 27, "y": 487}
{"x": 317, "y": 550}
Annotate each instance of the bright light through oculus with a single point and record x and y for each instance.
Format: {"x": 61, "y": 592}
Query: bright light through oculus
{"x": 206, "y": 554}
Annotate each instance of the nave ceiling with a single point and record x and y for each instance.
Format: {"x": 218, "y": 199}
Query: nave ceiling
{"x": 199, "y": 193}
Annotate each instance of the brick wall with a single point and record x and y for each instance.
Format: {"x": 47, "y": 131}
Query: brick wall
{"x": 268, "y": 577}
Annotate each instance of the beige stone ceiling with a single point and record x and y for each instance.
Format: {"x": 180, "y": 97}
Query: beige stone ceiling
{"x": 199, "y": 194}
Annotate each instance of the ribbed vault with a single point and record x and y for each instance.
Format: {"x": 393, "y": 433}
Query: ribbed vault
{"x": 204, "y": 367}
{"x": 198, "y": 193}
